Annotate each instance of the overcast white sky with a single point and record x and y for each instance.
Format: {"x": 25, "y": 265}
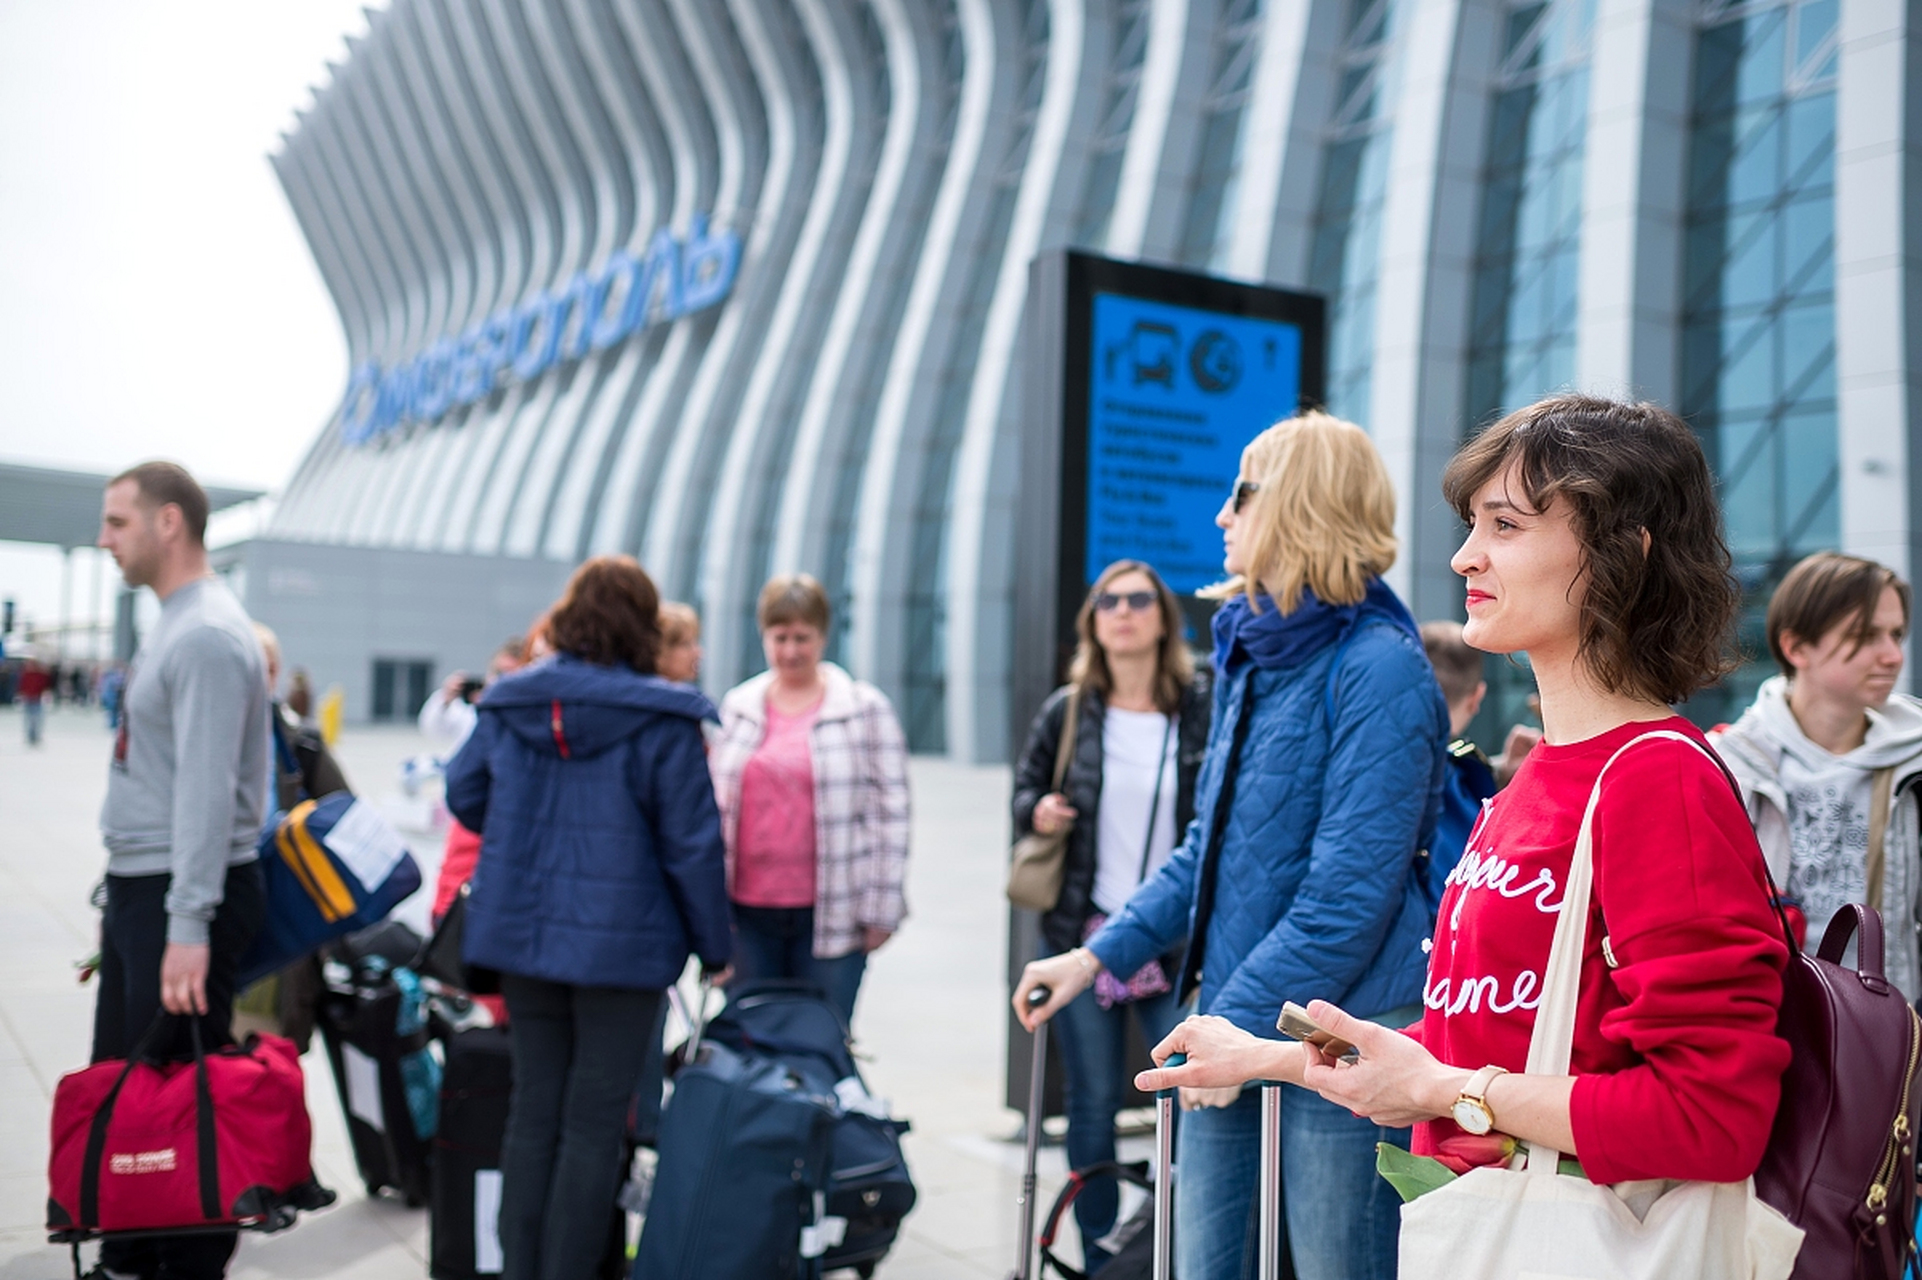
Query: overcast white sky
{"x": 156, "y": 296}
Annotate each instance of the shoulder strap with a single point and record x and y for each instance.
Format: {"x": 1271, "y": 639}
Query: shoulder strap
{"x": 1881, "y": 792}
{"x": 1064, "y": 745}
{"x": 1553, "y": 1041}
{"x": 1154, "y": 804}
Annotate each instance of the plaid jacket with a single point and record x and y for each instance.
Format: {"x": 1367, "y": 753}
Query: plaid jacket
{"x": 860, "y": 764}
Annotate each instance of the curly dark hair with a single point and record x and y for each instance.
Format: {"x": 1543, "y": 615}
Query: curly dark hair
{"x": 1656, "y": 621}
{"x": 609, "y": 614}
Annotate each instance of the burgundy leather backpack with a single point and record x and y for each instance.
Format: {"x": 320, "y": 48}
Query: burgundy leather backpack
{"x": 1841, "y": 1161}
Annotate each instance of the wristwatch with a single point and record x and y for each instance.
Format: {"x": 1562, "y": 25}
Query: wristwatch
{"x": 1471, "y": 1110}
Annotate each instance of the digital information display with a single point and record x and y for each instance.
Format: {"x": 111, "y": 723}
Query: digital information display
{"x": 1140, "y": 386}
{"x": 1174, "y": 393}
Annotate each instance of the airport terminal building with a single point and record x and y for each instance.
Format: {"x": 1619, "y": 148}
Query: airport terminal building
{"x": 738, "y": 286}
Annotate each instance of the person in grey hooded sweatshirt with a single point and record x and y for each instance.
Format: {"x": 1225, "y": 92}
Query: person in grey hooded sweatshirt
{"x": 1830, "y": 756}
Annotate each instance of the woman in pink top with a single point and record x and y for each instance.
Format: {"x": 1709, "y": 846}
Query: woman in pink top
{"x": 810, "y": 771}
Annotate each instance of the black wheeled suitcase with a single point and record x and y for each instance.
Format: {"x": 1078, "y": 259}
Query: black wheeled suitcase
{"x": 359, "y": 1018}
{"x": 463, "y": 1228}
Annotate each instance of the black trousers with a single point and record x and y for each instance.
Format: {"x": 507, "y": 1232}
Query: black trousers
{"x": 133, "y": 938}
{"x": 578, "y": 1052}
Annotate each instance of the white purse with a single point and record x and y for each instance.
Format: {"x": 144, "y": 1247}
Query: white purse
{"x": 1527, "y": 1222}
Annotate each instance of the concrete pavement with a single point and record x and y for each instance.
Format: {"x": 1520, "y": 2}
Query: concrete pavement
{"x": 929, "y": 1022}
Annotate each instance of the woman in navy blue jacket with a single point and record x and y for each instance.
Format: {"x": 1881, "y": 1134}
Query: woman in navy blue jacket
{"x": 1297, "y": 877}
{"x": 601, "y": 869}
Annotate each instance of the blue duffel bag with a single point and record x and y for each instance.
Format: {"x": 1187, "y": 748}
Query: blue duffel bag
{"x": 869, "y": 1190}
{"x": 741, "y": 1187}
{"x": 331, "y": 866}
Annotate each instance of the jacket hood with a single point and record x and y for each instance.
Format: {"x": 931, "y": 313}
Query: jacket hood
{"x": 1768, "y": 730}
{"x": 597, "y": 706}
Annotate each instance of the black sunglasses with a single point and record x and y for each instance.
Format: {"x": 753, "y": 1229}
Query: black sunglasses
{"x": 1244, "y": 491}
{"x": 1138, "y": 601}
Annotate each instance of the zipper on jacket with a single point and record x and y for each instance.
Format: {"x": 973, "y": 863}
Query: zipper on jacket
{"x": 1898, "y": 1146}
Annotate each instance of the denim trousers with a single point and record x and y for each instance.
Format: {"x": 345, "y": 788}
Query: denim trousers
{"x": 578, "y": 1052}
{"x": 778, "y": 942}
{"x": 1340, "y": 1219}
{"x": 1094, "y": 1049}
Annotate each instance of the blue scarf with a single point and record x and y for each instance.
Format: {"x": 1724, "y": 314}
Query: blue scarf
{"x": 1272, "y": 641}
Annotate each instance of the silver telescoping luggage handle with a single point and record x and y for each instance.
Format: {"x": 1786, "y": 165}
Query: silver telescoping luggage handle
{"x": 695, "y": 1017}
{"x": 1164, "y": 1259}
{"x": 1269, "y": 1256}
{"x": 1270, "y": 1235}
{"x": 1037, "y": 1085}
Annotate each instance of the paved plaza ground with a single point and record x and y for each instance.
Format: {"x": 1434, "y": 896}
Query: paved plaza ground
{"x": 930, "y": 1021}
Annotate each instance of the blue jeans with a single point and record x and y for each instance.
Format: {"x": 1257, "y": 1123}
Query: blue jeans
{"x": 778, "y": 942}
{"x": 1094, "y": 1048}
{"x": 1340, "y": 1218}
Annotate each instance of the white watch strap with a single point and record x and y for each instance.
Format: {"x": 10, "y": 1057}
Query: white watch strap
{"x": 1477, "y": 1086}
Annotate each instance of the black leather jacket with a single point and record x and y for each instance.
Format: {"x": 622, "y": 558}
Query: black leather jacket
{"x": 1034, "y": 778}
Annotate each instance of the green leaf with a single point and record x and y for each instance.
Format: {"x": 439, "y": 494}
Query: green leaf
{"x": 1410, "y": 1175}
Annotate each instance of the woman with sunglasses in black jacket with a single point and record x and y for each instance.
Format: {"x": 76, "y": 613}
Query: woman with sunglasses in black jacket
{"x": 1140, "y": 730}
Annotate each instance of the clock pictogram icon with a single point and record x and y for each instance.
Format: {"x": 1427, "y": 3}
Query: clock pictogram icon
{"x": 1215, "y": 362}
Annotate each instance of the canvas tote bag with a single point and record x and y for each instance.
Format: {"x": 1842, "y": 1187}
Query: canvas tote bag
{"x": 1527, "y": 1222}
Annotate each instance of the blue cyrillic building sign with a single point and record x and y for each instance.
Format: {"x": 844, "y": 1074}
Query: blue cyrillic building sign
{"x": 589, "y": 313}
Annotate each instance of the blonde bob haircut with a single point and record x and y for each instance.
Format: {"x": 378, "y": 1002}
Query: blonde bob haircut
{"x": 1323, "y": 518}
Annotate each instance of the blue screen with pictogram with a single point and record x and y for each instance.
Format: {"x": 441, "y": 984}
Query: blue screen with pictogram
{"x": 1174, "y": 394}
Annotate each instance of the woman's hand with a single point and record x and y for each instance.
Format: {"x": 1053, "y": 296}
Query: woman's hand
{"x": 874, "y": 937}
{"x": 1202, "y": 1099}
{"x": 1065, "y": 976}
{"x": 1052, "y": 813}
{"x": 1397, "y": 1082}
{"x": 1221, "y": 1056}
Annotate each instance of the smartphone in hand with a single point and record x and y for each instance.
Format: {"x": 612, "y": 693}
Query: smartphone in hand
{"x": 1297, "y": 1025}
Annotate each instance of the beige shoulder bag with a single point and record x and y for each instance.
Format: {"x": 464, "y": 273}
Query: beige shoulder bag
{"x": 1034, "y": 872}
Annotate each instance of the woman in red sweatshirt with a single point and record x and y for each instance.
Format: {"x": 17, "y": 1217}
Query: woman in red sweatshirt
{"x": 1595, "y": 546}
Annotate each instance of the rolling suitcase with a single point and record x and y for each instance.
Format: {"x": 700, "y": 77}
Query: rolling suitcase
{"x": 463, "y": 1226}
{"x": 380, "y": 1071}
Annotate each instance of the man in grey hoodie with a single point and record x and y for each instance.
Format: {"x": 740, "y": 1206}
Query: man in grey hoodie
{"x": 186, "y": 796}
{"x": 1829, "y": 756}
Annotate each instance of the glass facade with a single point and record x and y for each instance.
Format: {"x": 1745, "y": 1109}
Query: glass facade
{"x": 1345, "y": 255}
{"x": 1528, "y": 240}
{"x": 1758, "y": 346}
{"x": 1117, "y": 118}
{"x": 924, "y": 716}
{"x": 1207, "y": 233}
{"x": 1522, "y": 317}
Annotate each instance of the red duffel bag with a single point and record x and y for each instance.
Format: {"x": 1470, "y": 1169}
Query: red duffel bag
{"x": 222, "y": 1141}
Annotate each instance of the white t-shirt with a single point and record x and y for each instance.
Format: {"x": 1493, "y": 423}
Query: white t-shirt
{"x": 1133, "y": 743}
